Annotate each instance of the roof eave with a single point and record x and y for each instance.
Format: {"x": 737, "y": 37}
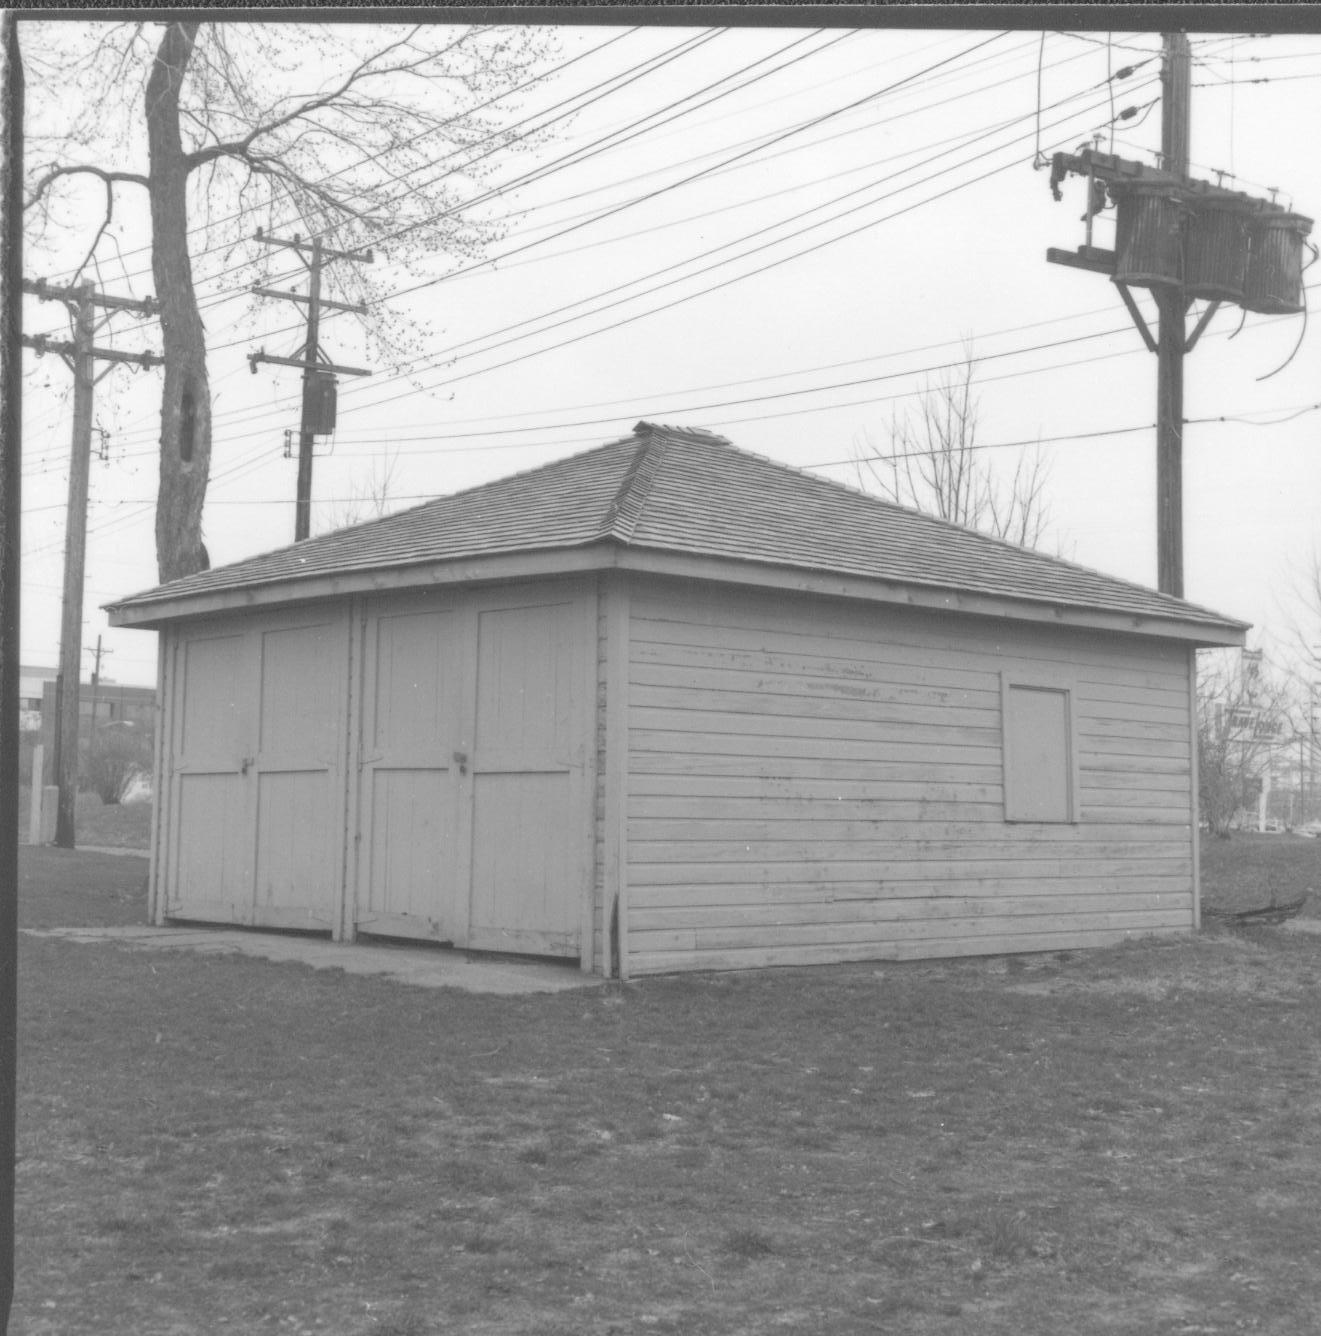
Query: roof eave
{"x": 906, "y": 593}
{"x": 147, "y": 612}
{"x": 610, "y": 554}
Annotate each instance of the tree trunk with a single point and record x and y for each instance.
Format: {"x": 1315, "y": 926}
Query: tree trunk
{"x": 186, "y": 398}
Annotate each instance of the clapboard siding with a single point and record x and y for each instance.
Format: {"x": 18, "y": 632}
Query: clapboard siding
{"x": 816, "y": 780}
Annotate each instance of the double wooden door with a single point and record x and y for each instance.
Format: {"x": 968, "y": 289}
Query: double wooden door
{"x": 474, "y": 802}
{"x": 257, "y": 751}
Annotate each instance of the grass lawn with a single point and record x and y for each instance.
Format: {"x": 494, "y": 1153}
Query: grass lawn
{"x": 1248, "y": 871}
{"x": 116, "y": 826}
{"x": 1122, "y": 1141}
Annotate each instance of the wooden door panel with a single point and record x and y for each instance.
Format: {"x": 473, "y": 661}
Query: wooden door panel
{"x": 209, "y": 864}
{"x": 298, "y": 824}
{"x": 214, "y": 718}
{"x": 296, "y": 885}
{"x": 527, "y": 781}
{"x": 301, "y": 668}
{"x": 211, "y": 877}
{"x": 526, "y": 688}
{"x": 412, "y": 877}
{"x": 524, "y": 886}
{"x": 412, "y": 855}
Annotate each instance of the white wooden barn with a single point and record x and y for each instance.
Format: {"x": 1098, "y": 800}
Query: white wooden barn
{"x": 667, "y": 705}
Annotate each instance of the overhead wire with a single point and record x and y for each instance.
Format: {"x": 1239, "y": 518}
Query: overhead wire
{"x": 623, "y": 79}
{"x": 692, "y": 275}
{"x": 762, "y": 141}
{"x": 221, "y": 474}
{"x": 621, "y": 76}
{"x": 375, "y": 402}
{"x": 592, "y": 313}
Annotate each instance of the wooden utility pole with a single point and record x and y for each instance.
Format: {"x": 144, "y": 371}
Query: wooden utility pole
{"x": 318, "y": 372}
{"x": 75, "y": 558}
{"x": 81, "y": 355}
{"x": 303, "y": 491}
{"x": 97, "y": 654}
{"x": 1176, "y": 79}
{"x": 1183, "y": 240}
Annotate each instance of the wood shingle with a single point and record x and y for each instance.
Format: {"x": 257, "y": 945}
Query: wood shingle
{"x": 683, "y": 492}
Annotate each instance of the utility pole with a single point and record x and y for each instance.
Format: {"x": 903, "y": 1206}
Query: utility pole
{"x": 1183, "y": 240}
{"x": 96, "y": 683}
{"x": 81, "y": 355}
{"x": 1172, "y": 303}
{"x": 318, "y": 416}
{"x": 303, "y": 491}
{"x": 75, "y": 555}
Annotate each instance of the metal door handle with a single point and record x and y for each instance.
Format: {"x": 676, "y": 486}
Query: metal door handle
{"x": 247, "y": 764}
{"x": 461, "y": 760}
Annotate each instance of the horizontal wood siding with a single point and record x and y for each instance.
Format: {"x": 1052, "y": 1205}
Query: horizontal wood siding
{"x": 813, "y": 780}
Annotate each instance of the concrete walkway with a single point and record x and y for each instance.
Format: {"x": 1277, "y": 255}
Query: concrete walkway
{"x": 424, "y": 967}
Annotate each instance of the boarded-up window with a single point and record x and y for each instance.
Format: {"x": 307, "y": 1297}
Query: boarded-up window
{"x": 1039, "y": 752}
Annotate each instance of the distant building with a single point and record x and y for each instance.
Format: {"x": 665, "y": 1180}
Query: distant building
{"x": 31, "y": 681}
{"x": 111, "y": 702}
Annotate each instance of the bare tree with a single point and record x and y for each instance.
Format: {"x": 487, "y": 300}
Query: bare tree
{"x": 932, "y": 464}
{"x": 1245, "y": 711}
{"x": 360, "y": 135}
{"x": 368, "y": 500}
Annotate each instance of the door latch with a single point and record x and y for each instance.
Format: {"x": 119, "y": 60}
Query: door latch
{"x": 246, "y": 766}
{"x": 461, "y": 760}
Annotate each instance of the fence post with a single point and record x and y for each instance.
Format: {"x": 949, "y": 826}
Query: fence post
{"x": 34, "y": 792}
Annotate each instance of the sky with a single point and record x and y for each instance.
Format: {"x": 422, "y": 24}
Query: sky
{"x": 784, "y": 235}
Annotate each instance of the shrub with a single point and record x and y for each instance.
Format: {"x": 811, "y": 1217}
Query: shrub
{"x": 120, "y": 754}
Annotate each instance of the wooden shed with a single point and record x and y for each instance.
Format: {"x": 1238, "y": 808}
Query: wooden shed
{"x": 668, "y": 705}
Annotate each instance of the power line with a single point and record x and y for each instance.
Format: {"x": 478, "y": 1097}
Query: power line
{"x": 1100, "y": 433}
{"x": 797, "y": 129}
{"x": 481, "y": 106}
{"x": 958, "y": 142}
{"x": 706, "y": 291}
{"x": 232, "y": 295}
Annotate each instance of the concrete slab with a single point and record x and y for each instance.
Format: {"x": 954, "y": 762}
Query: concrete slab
{"x": 423, "y": 967}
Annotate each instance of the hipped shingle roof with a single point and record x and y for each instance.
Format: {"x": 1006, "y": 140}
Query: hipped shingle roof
{"x": 681, "y": 491}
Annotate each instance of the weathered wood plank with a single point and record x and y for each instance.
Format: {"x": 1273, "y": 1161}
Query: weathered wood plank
{"x": 661, "y": 962}
{"x": 1123, "y": 781}
{"x": 1166, "y": 815}
{"x": 646, "y": 786}
{"x": 880, "y": 731}
{"x": 1160, "y": 861}
{"x": 778, "y": 808}
{"x": 755, "y": 917}
{"x": 1138, "y": 749}
{"x": 687, "y": 837}
{"x": 715, "y": 765}
{"x": 778, "y": 706}
{"x": 771, "y": 894}
{"x": 1091, "y": 729}
{"x": 1095, "y": 764}
{"x": 853, "y": 933}
{"x": 823, "y": 749}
